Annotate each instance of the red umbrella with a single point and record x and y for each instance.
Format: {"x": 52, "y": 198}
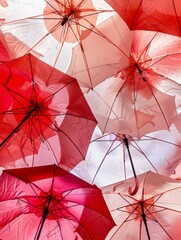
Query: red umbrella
{"x": 153, "y": 213}
{"x": 40, "y": 102}
{"x": 51, "y": 203}
{"x": 163, "y": 16}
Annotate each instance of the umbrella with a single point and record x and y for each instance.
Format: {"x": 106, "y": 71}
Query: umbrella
{"x": 153, "y": 213}
{"x": 50, "y": 203}
{"x": 41, "y": 102}
{"x": 163, "y": 16}
{"x": 115, "y": 157}
{"x": 52, "y": 28}
{"x": 135, "y": 100}
{"x": 132, "y": 108}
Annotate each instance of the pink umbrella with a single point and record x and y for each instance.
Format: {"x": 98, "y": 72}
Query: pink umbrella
{"x": 163, "y": 16}
{"x": 153, "y": 213}
{"x": 51, "y": 203}
{"x": 140, "y": 98}
{"x": 129, "y": 106}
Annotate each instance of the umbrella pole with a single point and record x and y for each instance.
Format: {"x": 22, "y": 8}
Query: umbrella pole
{"x": 134, "y": 191}
{"x": 44, "y": 216}
{"x": 19, "y": 125}
{"x": 129, "y": 153}
{"x": 144, "y": 220}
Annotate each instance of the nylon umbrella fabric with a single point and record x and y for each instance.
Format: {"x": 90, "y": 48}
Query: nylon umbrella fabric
{"x": 108, "y": 158}
{"x": 4, "y": 56}
{"x": 121, "y": 107}
{"x": 51, "y": 203}
{"x": 110, "y": 53}
{"x": 41, "y": 102}
{"x": 153, "y": 213}
{"x": 162, "y": 16}
{"x": 60, "y": 25}
{"x": 135, "y": 100}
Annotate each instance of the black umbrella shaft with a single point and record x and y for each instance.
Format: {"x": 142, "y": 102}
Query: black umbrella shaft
{"x": 130, "y": 157}
{"x": 44, "y": 216}
{"x": 45, "y": 213}
{"x": 144, "y": 220}
{"x": 18, "y": 126}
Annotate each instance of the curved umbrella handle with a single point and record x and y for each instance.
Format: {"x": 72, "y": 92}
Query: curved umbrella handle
{"x": 132, "y": 191}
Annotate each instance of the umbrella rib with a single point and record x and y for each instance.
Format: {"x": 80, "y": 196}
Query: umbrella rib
{"x": 149, "y": 138}
{"x": 63, "y": 37}
{"x": 58, "y": 90}
{"x": 82, "y": 52}
{"x": 11, "y": 91}
{"x": 35, "y": 17}
{"x": 76, "y": 220}
{"x": 126, "y": 220}
{"x": 17, "y": 127}
{"x": 116, "y": 147}
{"x": 64, "y": 133}
{"x": 77, "y": 204}
{"x": 112, "y": 104}
{"x": 178, "y": 22}
{"x": 162, "y": 227}
{"x": 95, "y": 30}
{"x": 102, "y": 161}
{"x": 97, "y": 139}
{"x": 145, "y": 50}
{"x": 158, "y": 104}
{"x": 82, "y": 204}
{"x": 136, "y": 14}
{"x": 52, "y": 150}
{"x": 138, "y": 148}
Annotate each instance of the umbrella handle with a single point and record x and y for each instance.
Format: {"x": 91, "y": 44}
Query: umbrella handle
{"x": 132, "y": 191}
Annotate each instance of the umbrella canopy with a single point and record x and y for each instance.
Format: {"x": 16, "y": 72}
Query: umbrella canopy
{"x": 101, "y": 64}
{"x": 140, "y": 98}
{"x": 128, "y": 106}
{"x": 115, "y": 157}
{"x": 40, "y": 102}
{"x": 153, "y": 213}
{"x": 61, "y": 25}
{"x": 51, "y": 203}
{"x": 163, "y": 16}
